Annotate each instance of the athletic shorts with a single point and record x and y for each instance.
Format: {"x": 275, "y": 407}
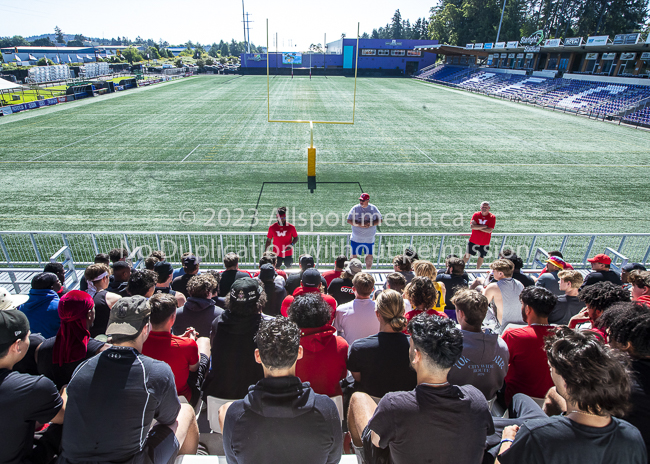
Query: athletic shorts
{"x": 370, "y": 453}
{"x": 361, "y": 248}
{"x": 473, "y": 248}
{"x": 161, "y": 448}
{"x": 287, "y": 261}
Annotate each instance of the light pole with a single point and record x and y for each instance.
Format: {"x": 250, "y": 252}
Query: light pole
{"x": 501, "y": 21}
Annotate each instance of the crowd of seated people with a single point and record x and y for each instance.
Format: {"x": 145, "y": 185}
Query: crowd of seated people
{"x": 142, "y": 350}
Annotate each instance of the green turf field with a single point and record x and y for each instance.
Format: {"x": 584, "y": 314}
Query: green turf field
{"x": 145, "y": 159}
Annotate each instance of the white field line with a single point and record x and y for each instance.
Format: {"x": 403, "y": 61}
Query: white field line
{"x": 188, "y": 155}
{"x": 80, "y": 140}
{"x": 418, "y": 149}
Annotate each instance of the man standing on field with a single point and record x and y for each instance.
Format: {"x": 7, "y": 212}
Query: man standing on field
{"x": 284, "y": 237}
{"x": 483, "y": 223}
{"x": 364, "y": 219}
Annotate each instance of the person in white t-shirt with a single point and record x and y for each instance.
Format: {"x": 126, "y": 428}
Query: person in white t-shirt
{"x": 357, "y": 319}
{"x": 364, "y": 219}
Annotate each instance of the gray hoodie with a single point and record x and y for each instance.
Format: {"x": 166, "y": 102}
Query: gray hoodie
{"x": 198, "y": 313}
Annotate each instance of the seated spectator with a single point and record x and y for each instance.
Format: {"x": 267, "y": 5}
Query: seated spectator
{"x": 596, "y": 387}
{"x": 550, "y": 280}
{"x": 629, "y": 331}
{"x": 118, "y": 254}
{"x": 232, "y": 273}
{"x": 150, "y": 262}
{"x": 268, "y": 257}
{"x": 58, "y": 270}
{"x": 341, "y": 287}
{"x": 59, "y": 356}
{"x": 558, "y": 254}
{"x": 528, "y": 367}
{"x": 274, "y": 289}
{"x": 427, "y": 269}
{"x": 394, "y": 281}
{"x": 218, "y": 300}
{"x": 97, "y": 277}
{"x": 289, "y": 421}
{"x": 186, "y": 354}
{"x": 24, "y": 399}
{"x": 625, "y": 272}
{"x": 324, "y": 353}
{"x": 403, "y": 265}
{"x": 517, "y": 274}
{"x": 484, "y": 362}
{"x": 293, "y": 280}
{"x": 121, "y": 275}
{"x": 597, "y": 298}
{"x": 122, "y": 386}
{"x": 9, "y": 301}
{"x": 190, "y": 269}
{"x": 339, "y": 265}
{"x": 27, "y": 365}
{"x": 380, "y": 363}
{"x": 165, "y": 271}
{"x": 100, "y": 258}
{"x": 601, "y": 271}
{"x": 42, "y": 306}
{"x": 422, "y": 296}
{"x": 232, "y": 340}
{"x": 640, "y": 290}
{"x": 142, "y": 282}
{"x": 180, "y": 271}
{"x": 357, "y": 319}
{"x": 504, "y": 293}
{"x": 200, "y": 311}
{"x": 453, "y": 279}
{"x": 311, "y": 282}
{"x": 437, "y": 422}
{"x": 568, "y": 305}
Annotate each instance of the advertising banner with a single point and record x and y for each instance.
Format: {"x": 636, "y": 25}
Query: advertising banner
{"x": 469, "y": 46}
{"x": 413, "y": 52}
{"x": 645, "y": 56}
{"x": 500, "y": 45}
{"x": 626, "y": 39}
{"x": 368, "y": 52}
{"x": 17, "y": 108}
{"x": 488, "y": 46}
{"x": 529, "y": 56}
{"x": 478, "y": 46}
{"x": 69, "y": 98}
{"x": 397, "y": 52}
{"x": 609, "y": 56}
{"x": 31, "y": 105}
{"x": 6, "y": 110}
{"x": 597, "y": 40}
{"x": 627, "y": 56}
{"x": 591, "y": 56}
{"x": 520, "y": 55}
{"x": 40, "y": 103}
{"x": 552, "y": 43}
{"x": 292, "y": 57}
{"x": 52, "y": 101}
{"x": 513, "y": 44}
{"x": 61, "y": 99}
{"x": 511, "y": 55}
{"x": 573, "y": 42}
{"x": 383, "y": 52}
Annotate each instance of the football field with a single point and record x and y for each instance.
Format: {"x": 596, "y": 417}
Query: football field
{"x": 199, "y": 155}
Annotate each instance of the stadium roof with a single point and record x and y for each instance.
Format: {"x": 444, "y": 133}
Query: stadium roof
{"x": 6, "y": 85}
{"x": 7, "y": 50}
{"x": 450, "y": 50}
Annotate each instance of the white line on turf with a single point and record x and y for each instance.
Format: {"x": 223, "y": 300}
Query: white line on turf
{"x": 80, "y": 140}
{"x": 191, "y": 152}
{"x": 418, "y": 149}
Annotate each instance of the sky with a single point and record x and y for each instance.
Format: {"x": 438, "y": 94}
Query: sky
{"x": 297, "y": 23}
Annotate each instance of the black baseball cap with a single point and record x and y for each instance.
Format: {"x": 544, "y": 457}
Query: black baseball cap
{"x": 307, "y": 261}
{"x": 163, "y": 269}
{"x": 128, "y": 315}
{"x": 633, "y": 267}
{"x": 267, "y": 272}
{"x": 191, "y": 261}
{"x": 311, "y": 278}
{"x": 13, "y": 326}
{"x": 245, "y": 290}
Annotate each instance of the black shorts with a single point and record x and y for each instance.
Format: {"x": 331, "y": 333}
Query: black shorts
{"x": 287, "y": 261}
{"x": 161, "y": 447}
{"x": 372, "y": 454}
{"x": 473, "y": 248}
{"x": 195, "y": 379}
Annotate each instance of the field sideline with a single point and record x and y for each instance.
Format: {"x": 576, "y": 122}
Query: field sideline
{"x": 141, "y": 159}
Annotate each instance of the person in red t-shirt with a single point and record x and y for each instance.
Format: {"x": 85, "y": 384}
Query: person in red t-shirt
{"x": 339, "y": 264}
{"x": 187, "y": 356}
{"x": 310, "y": 283}
{"x": 528, "y": 371}
{"x": 323, "y": 363}
{"x": 482, "y": 223}
{"x": 284, "y": 237}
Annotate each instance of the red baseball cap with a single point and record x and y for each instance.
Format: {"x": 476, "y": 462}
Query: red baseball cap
{"x": 364, "y": 197}
{"x": 601, "y": 258}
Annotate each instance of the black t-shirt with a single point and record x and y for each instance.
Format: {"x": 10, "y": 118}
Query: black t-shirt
{"x": 24, "y": 400}
{"x": 61, "y": 375}
{"x": 452, "y": 284}
{"x": 102, "y": 313}
{"x": 27, "y": 365}
{"x": 525, "y": 280}
{"x": 118, "y": 287}
{"x": 228, "y": 278}
{"x": 112, "y": 400}
{"x": 179, "y": 284}
{"x": 341, "y": 290}
{"x": 601, "y": 276}
{"x": 639, "y": 414}
{"x": 442, "y": 425}
{"x": 383, "y": 361}
{"x": 565, "y": 308}
{"x": 559, "y": 440}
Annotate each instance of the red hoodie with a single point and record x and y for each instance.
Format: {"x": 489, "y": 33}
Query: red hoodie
{"x": 302, "y": 290}
{"x": 324, "y": 359}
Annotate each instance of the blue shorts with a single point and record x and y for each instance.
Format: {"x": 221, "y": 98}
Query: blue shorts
{"x": 361, "y": 248}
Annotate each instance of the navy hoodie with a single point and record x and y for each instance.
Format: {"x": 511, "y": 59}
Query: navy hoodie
{"x": 282, "y": 420}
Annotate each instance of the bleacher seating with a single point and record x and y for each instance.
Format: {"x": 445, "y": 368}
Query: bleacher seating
{"x": 641, "y": 116}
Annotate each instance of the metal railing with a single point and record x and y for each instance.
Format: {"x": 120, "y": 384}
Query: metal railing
{"x": 68, "y": 266}
{"x": 24, "y": 249}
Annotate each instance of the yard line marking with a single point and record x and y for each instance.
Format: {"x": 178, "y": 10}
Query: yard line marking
{"x": 191, "y": 152}
{"x": 418, "y": 149}
{"x": 80, "y": 140}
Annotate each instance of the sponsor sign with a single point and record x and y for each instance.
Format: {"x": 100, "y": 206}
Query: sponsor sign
{"x": 413, "y": 52}
{"x": 500, "y": 45}
{"x": 31, "y": 105}
{"x": 520, "y": 56}
{"x": 383, "y": 52}
{"x": 535, "y": 39}
{"x": 597, "y": 40}
{"x": 573, "y": 42}
{"x": 488, "y": 46}
{"x": 529, "y": 56}
{"x": 257, "y": 57}
{"x": 532, "y": 48}
{"x": 645, "y": 56}
{"x": 478, "y": 46}
{"x": 397, "y": 52}
{"x": 609, "y": 56}
{"x": 552, "y": 43}
{"x": 61, "y": 99}
{"x": 292, "y": 57}
{"x": 52, "y": 101}
{"x": 627, "y": 56}
{"x": 17, "y": 108}
{"x": 394, "y": 43}
{"x": 6, "y": 110}
{"x": 591, "y": 56}
{"x": 469, "y": 46}
{"x": 511, "y": 55}
{"x": 40, "y": 103}
{"x": 368, "y": 52}
{"x": 513, "y": 44}
{"x": 626, "y": 39}
{"x": 491, "y": 57}
{"x": 69, "y": 98}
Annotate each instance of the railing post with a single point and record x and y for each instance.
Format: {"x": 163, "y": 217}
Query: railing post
{"x": 530, "y": 251}
{"x": 126, "y": 243}
{"x": 442, "y": 249}
{"x": 317, "y": 249}
{"x": 5, "y": 251}
{"x": 38, "y": 253}
{"x": 565, "y": 239}
{"x": 588, "y": 252}
{"x": 253, "y": 249}
{"x": 94, "y": 240}
{"x": 12, "y": 276}
{"x": 158, "y": 241}
{"x": 620, "y": 246}
{"x": 189, "y": 242}
{"x": 647, "y": 254}
{"x": 221, "y": 246}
